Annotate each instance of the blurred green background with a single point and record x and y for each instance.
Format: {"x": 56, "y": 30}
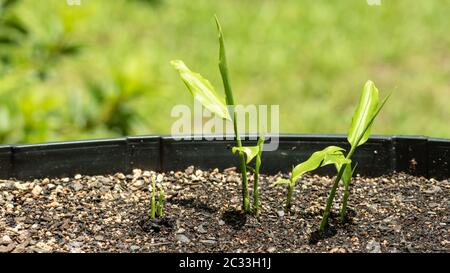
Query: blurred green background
{"x": 102, "y": 69}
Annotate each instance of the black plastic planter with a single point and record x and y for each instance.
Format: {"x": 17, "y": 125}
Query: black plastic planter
{"x": 420, "y": 156}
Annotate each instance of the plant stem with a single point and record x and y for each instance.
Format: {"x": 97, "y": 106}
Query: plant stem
{"x": 256, "y": 195}
{"x": 152, "y": 206}
{"x": 160, "y": 202}
{"x": 326, "y": 213}
{"x": 330, "y": 199}
{"x": 245, "y": 194}
{"x": 343, "y": 213}
{"x": 256, "y": 185}
{"x": 290, "y": 194}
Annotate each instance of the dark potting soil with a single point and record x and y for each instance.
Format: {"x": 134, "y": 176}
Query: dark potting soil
{"x": 394, "y": 213}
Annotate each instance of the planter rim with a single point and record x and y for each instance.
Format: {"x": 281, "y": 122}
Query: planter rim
{"x": 382, "y": 154}
{"x": 167, "y": 136}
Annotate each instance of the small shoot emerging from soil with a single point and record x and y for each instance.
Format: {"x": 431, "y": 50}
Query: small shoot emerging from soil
{"x": 152, "y": 202}
{"x": 329, "y": 155}
{"x": 202, "y": 90}
{"x": 156, "y": 207}
{"x": 160, "y": 202}
{"x": 363, "y": 118}
{"x": 253, "y": 152}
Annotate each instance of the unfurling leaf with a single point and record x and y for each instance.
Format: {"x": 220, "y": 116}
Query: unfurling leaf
{"x": 329, "y": 155}
{"x": 281, "y": 182}
{"x": 348, "y": 174}
{"x": 202, "y": 90}
{"x": 360, "y": 129}
{"x": 250, "y": 151}
{"x": 376, "y": 113}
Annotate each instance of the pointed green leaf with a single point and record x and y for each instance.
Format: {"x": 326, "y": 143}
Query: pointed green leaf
{"x": 223, "y": 67}
{"x": 348, "y": 173}
{"x": 329, "y": 155}
{"x": 367, "y": 106}
{"x": 369, "y": 124}
{"x": 202, "y": 90}
{"x": 281, "y": 182}
{"x": 250, "y": 151}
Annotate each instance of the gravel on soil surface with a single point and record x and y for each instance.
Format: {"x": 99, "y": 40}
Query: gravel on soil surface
{"x": 393, "y": 213}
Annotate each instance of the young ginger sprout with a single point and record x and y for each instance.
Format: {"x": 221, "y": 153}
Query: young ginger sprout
{"x": 160, "y": 201}
{"x": 156, "y": 207}
{"x": 362, "y": 120}
{"x": 203, "y": 91}
{"x": 152, "y": 201}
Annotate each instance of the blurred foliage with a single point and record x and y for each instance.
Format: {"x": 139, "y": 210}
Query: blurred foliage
{"x": 102, "y": 69}
{"x": 33, "y": 110}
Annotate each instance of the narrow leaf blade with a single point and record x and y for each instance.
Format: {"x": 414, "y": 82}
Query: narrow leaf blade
{"x": 369, "y": 124}
{"x": 223, "y": 66}
{"x": 347, "y": 175}
{"x": 202, "y": 90}
{"x": 367, "y": 106}
{"x": 348, "y": 172}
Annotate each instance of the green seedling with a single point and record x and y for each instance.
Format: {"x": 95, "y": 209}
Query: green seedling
{"x": 152, "y": 202}
{"x": 160, "y": 202}
{"x": 156, "y": 207}
{"x": 202, "y": 90}
{"x": 330, "y": 155}
{"x": 253, "y": 152}
{"x": 362, "y": 121}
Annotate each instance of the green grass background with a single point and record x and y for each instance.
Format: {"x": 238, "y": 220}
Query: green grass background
{"x": 311, "y": 57}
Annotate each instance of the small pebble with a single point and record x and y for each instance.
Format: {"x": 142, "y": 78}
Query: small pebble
{"x": 134, "y": 247}
{"x": 271, "y": 249}
{"x": 280, "y": 213}
{"x": 6, "y": 240}
{"x": 373, "y": 246}
{"x": 37, "y": 190}
{"x": 182, "y": 238}
{"x": 77, "y": 186}
{"x": 208, "y": 242}
{"x": 181, "y": 230}
{"x": 201, "y": 229}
